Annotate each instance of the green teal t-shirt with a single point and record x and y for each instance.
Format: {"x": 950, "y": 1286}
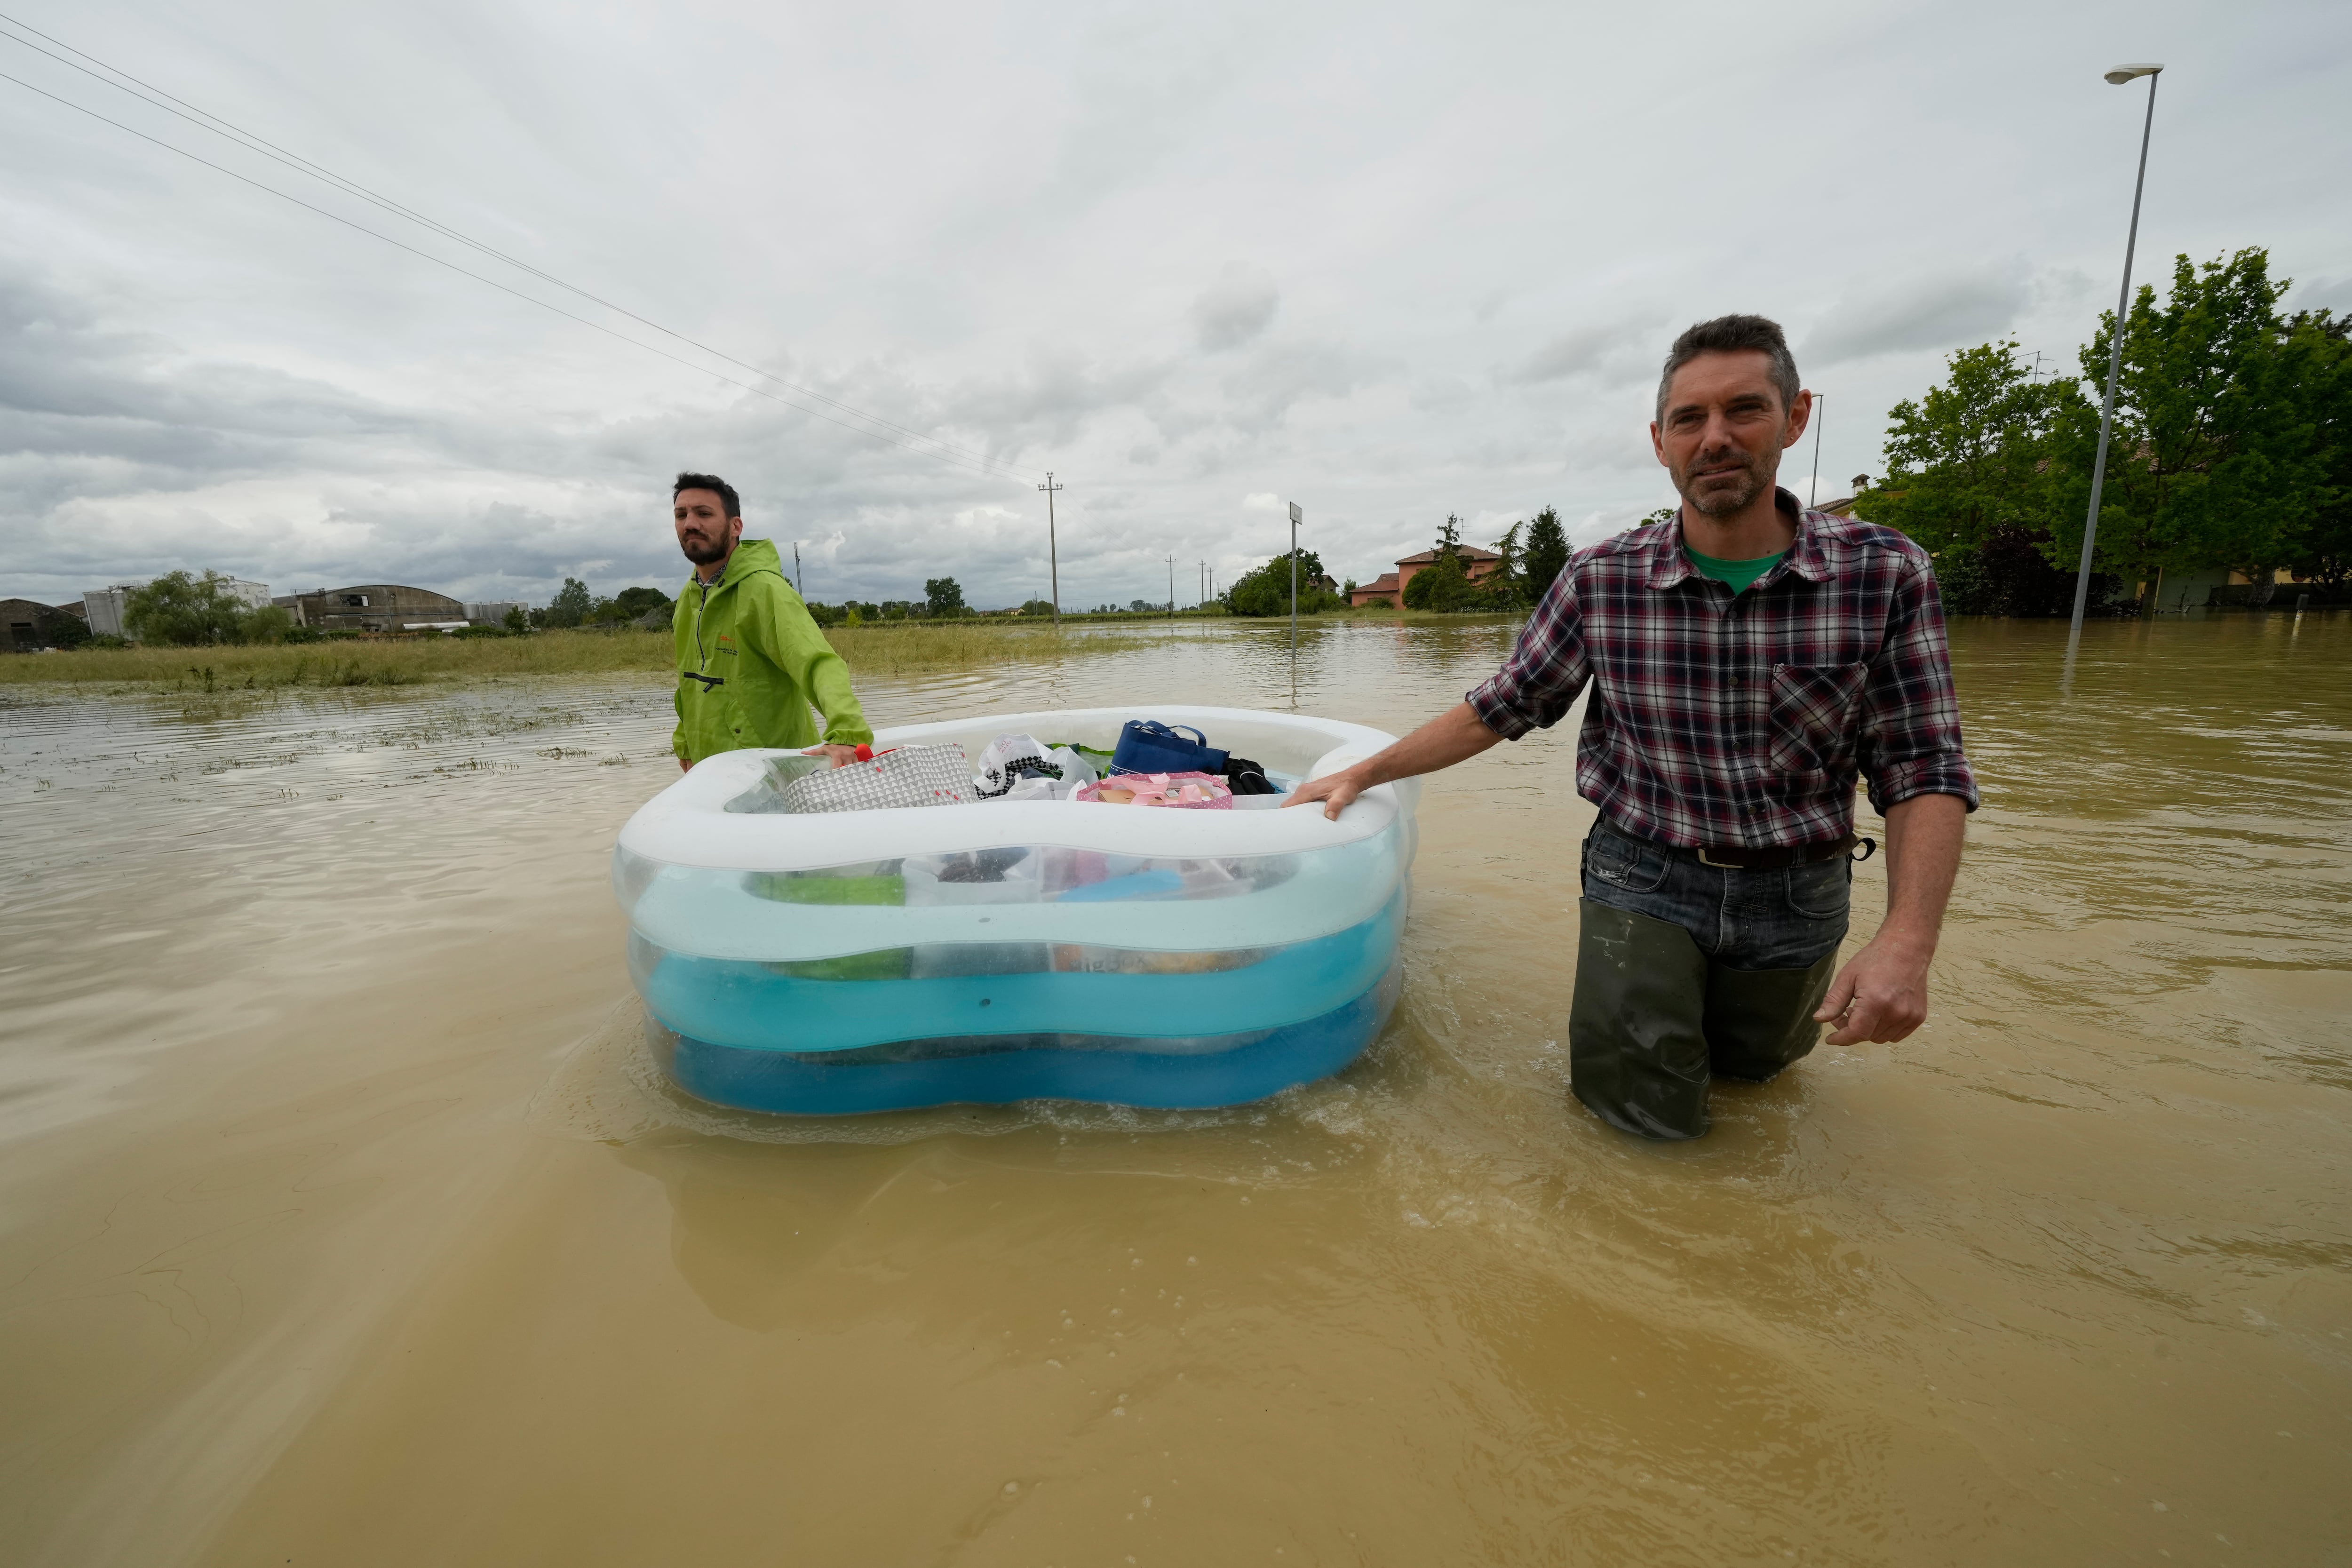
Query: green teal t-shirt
{"x": 1734, "y": 574}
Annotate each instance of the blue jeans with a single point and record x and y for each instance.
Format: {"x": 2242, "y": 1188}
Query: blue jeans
{"x": 1686, "y": 972}
{"x": 1745, "y": 920}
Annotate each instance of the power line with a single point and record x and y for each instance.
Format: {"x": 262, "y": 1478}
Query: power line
{"x": 928, "y": 444}
{"x": 295, "y": 161}
{"x": 502, "y": 288}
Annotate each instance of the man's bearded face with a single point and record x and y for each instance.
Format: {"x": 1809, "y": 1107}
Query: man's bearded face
{"x": 1721, "y": 480}
{"x": 705, "y": 532}
{"x": 1723, "y": 432}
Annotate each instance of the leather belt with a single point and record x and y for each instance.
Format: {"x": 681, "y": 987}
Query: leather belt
{"x": 1777, "y": 858}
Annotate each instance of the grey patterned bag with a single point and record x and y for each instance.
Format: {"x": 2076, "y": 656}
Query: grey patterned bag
{"x": 904, "y": 776}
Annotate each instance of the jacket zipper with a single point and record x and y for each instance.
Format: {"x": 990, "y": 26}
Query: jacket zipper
{"x": 710, "y": 682}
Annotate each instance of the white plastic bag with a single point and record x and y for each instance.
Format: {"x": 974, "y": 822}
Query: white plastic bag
{"x": 1003, "y": 766}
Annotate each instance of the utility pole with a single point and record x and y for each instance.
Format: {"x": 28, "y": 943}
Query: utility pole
{"x": 1814, "y": 498}
{"x": 1295, "y": 516}
{"x": 2118, "y": 76}
{"x": 1052, "y": 553}
{"x": 1171, "y": 587}
{"x": 800, "y": 583}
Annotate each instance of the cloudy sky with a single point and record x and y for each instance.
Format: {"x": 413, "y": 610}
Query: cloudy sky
{"x": 1387, "y": 261}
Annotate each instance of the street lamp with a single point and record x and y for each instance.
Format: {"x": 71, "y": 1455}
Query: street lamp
{"x": 2118, "y": 76}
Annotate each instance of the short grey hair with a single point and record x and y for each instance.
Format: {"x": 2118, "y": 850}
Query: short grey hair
{"x": 1732, "y": 334}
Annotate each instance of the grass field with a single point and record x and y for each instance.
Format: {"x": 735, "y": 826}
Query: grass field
{"x": 901, "y": 649}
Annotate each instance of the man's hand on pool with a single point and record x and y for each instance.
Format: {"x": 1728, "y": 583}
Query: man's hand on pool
{"x": 1881, "y": 994}
{"x": 1334, "y": 790}
{"x": 1453, "y": 736}
{"x": 842, "y": 755}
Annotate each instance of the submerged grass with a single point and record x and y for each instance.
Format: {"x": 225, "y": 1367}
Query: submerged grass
{"x": 899, "y": 649}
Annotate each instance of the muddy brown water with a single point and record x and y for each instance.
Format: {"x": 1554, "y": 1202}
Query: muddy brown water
{"x": 341, "y": 1220}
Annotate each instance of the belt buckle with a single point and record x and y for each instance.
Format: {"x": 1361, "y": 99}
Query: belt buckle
{"x": 1719, "y": 865}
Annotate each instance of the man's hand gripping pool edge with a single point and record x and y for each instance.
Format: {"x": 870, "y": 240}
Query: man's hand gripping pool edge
{"x": 1453, "y": 736}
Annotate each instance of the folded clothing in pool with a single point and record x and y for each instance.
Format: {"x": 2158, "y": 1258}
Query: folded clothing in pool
{"x": 902, "y": 777}
{"x": 1189, "y": 792}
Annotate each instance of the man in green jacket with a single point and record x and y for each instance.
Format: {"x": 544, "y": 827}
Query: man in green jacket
{"x": 751, "y": 661}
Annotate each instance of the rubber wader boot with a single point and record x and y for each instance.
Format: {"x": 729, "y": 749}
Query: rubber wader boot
{"x": 1637, "y": 1055}
{"x": 1760, "y": 1020}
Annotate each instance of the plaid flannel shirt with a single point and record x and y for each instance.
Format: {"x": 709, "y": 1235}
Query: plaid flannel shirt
{"x": 1743, "y": 721}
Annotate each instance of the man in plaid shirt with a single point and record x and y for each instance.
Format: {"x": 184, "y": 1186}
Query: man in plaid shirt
{"x": 1746, "y": 660}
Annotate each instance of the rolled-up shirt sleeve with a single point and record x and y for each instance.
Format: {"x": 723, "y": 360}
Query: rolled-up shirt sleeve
{"x": 1910, "y": 743}
{"x": 1545, "y": 672}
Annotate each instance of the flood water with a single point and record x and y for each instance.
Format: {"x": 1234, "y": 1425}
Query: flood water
{"x": 342, "y": 1220}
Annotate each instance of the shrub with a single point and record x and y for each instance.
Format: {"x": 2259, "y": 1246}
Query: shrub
{"x": 1266, "y": 591}
{"x": 61, "y": 630}
{"x": 2007, "y": 574}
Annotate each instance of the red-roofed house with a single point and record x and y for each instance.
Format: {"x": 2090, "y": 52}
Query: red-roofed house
{"x": 1388, "y": 588}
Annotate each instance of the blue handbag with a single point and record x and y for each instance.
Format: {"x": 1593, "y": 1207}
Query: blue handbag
{"x": 1148, "y": 746}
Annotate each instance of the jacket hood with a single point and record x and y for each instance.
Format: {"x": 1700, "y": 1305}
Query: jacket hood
{"x": 752, "y": 555}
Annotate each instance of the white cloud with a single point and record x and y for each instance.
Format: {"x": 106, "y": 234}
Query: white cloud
{"x": 1943, "y": 311}
{"x": 1235, "y": 308}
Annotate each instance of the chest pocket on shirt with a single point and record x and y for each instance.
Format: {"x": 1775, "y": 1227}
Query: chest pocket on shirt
{"x": 1812, "y": 713}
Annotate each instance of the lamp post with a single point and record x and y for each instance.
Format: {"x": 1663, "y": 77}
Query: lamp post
{"x": 1813, "y": 499}
{"x": 2118, "y": 76}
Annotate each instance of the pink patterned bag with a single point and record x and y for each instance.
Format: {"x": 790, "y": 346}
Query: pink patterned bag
{"x": 1186, "y": 792}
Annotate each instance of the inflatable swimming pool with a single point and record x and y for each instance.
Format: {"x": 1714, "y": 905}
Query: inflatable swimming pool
{"x": 1019, "y": 950}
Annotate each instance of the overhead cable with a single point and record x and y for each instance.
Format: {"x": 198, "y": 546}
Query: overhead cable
{"x": 903, "y": 437}
{"x": 505, "y": 288}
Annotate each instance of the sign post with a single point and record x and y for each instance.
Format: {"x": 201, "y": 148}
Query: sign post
{"x": 1296, "y": 517}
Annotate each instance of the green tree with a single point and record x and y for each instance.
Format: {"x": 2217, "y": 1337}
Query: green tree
{"x": 1663, "y": 514}
{"x": 1267, "y": 590}
{"x": 633, "y": 603}
{"x": 1508, "y": 581}
{"x": 1969, "y": 460}
{"x": 64, "y": 629}
{"x": 2212, "y": 462}
{"x": 1449, "y": 536}
{"x": 518, "y": 619}
{"x": 2321, "y": 371}
{"x": 1547, "y": 555}
{"x": 272, "y": 624}
{"x": 571, "y": 605}
{"x": 1442, "y": 585}
{"x": 185, "y": 611}
{"x": 943, "y": 595}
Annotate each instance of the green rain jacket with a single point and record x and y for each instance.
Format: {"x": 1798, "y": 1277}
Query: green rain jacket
{"x": 751, "y": 663}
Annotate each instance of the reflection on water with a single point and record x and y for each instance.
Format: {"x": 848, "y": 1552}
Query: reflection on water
{"x": 347, "y": 1220}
